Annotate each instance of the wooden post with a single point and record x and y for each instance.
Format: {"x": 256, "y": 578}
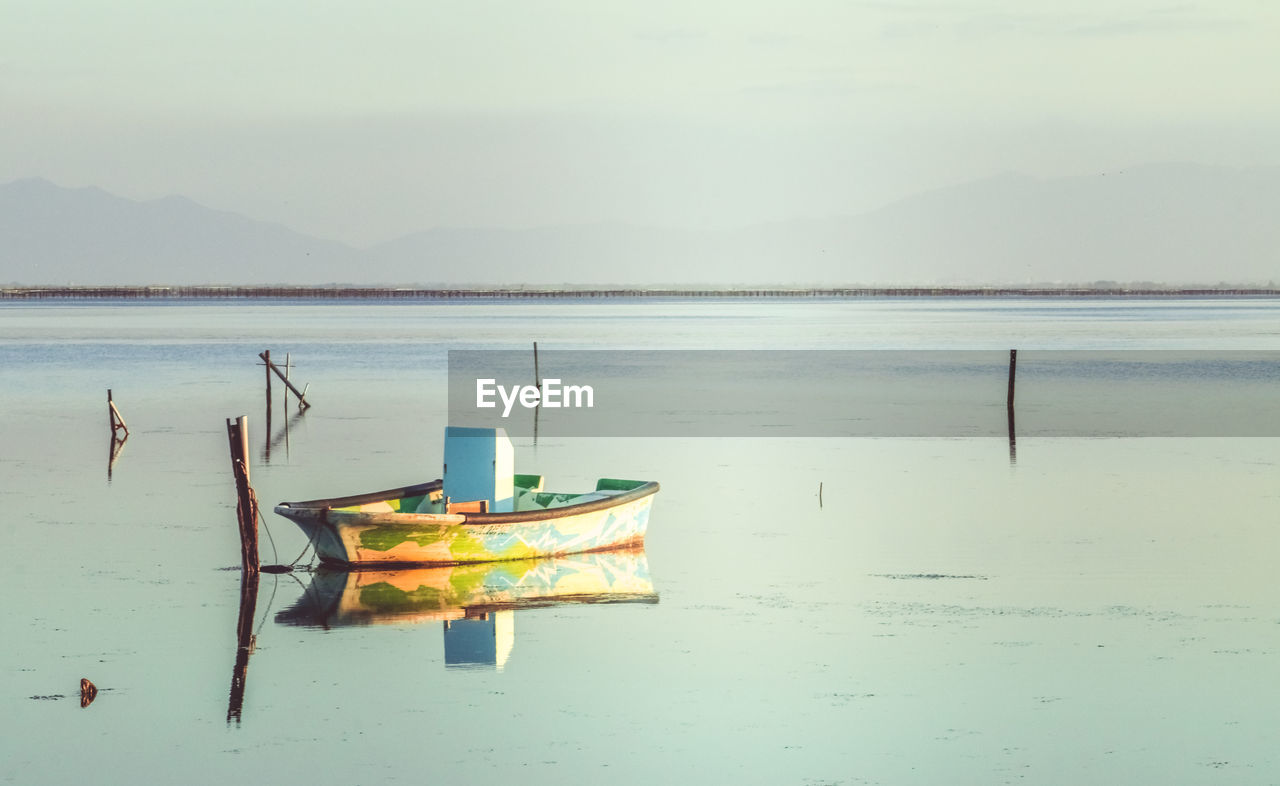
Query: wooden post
{"x": 116, "y": 422}
{"x": 537, "y": 378}
{"x": 114, "y": 418}
{"x": 246, "y": 504}
{"x": 1013, "y": 370}
{"x": 1013, "y": 440}
{"x": 266, "y": 355}
{"x": 266, "y": 449}
{"x": 301, "y": 394}
{"x": 285, "y": 401}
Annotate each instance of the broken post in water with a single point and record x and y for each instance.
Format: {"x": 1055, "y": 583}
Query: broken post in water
{"x": 246, "y": 502}
{"x": 301, "y": 394}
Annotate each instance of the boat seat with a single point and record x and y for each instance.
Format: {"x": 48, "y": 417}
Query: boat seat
{"x": 548, "y": 500}
{"x": 469, "y": 506}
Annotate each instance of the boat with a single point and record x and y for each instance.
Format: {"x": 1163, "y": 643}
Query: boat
{"x": 478, "y": 512}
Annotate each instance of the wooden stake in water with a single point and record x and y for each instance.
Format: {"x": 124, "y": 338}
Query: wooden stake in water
{"x": 1013, "y": 440}
{"x": 116, "y": 422}
{"x": 266, "y": 357}
{"x": 301, "y": 394}
{"x": 114, "y": 418}
{"x": 537, "y": 378}
{"x": 246, "y": 504}
{"x": 1013, "y": 370}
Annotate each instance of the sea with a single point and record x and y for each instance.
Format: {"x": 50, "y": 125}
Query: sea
{"x": 1096, "y": 608}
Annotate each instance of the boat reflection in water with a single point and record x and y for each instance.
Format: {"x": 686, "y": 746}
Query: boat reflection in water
{"x": 476, "y": 602}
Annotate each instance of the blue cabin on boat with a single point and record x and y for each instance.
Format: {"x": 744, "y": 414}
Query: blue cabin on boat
{"x": 479, "y": 464}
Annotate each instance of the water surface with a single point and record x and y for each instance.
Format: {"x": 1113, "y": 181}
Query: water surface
{"x": 1103, "y": 610}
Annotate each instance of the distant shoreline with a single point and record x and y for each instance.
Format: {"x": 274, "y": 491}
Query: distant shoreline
{"x": 530, "y": 293}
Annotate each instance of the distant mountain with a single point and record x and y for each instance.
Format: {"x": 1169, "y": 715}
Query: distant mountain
{"x": 54, "y": 235}
{"x": 1174, "y": 223}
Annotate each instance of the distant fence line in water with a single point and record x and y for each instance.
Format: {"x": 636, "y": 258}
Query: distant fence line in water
{"x": 410, "y": 293}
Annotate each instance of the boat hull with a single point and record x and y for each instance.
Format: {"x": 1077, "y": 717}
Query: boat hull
{"x": 368, "y": 539}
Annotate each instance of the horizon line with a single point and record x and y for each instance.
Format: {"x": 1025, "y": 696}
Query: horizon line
{"x": 330, "y": 291}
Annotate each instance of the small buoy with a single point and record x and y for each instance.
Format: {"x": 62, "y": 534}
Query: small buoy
{"x": 88, "y": 692}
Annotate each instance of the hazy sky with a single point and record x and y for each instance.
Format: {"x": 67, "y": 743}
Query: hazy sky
{"x": 362, "y": 122}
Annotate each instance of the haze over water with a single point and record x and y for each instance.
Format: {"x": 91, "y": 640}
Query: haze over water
{"x": 1101, "y": 611}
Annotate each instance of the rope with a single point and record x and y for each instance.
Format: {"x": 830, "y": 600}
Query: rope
{"x": 297, "y": 559}
{"x": 253, "y": 495}
{"x": 253, "y": 498}
{"x": 275, "y": 555}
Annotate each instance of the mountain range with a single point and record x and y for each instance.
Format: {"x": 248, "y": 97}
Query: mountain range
{"x": 1172, "y": 223}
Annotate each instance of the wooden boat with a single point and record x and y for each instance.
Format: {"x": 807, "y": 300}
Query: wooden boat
{"x": 419, "y": 525}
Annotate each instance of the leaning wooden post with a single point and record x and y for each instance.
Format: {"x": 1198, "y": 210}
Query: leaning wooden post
{"x": 537, "y": 378}
{"x": 301, "y": 394}
{"x": 246, "y": 505}
{"x": 114, "y": 418}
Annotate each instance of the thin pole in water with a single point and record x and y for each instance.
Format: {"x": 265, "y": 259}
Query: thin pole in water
{"x": 1013, "y": 440}
{"x": 1013, "y": 370}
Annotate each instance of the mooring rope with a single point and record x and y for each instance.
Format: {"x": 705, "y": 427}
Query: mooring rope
{"x": 311, "y": 540}
{"x": 257, "y": 509}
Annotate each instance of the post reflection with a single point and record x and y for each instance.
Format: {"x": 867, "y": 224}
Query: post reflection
{"x": 113, "y": 453}
{"x": 281, "y": 436}
{"x": 244, "y": 645}
{"x": 475, "y": 603}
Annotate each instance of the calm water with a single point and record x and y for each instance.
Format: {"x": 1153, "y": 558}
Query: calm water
{"x": 1102, "y": 611}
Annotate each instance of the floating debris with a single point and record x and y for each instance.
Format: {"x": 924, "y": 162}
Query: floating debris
{"x": 88, "y": 692}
